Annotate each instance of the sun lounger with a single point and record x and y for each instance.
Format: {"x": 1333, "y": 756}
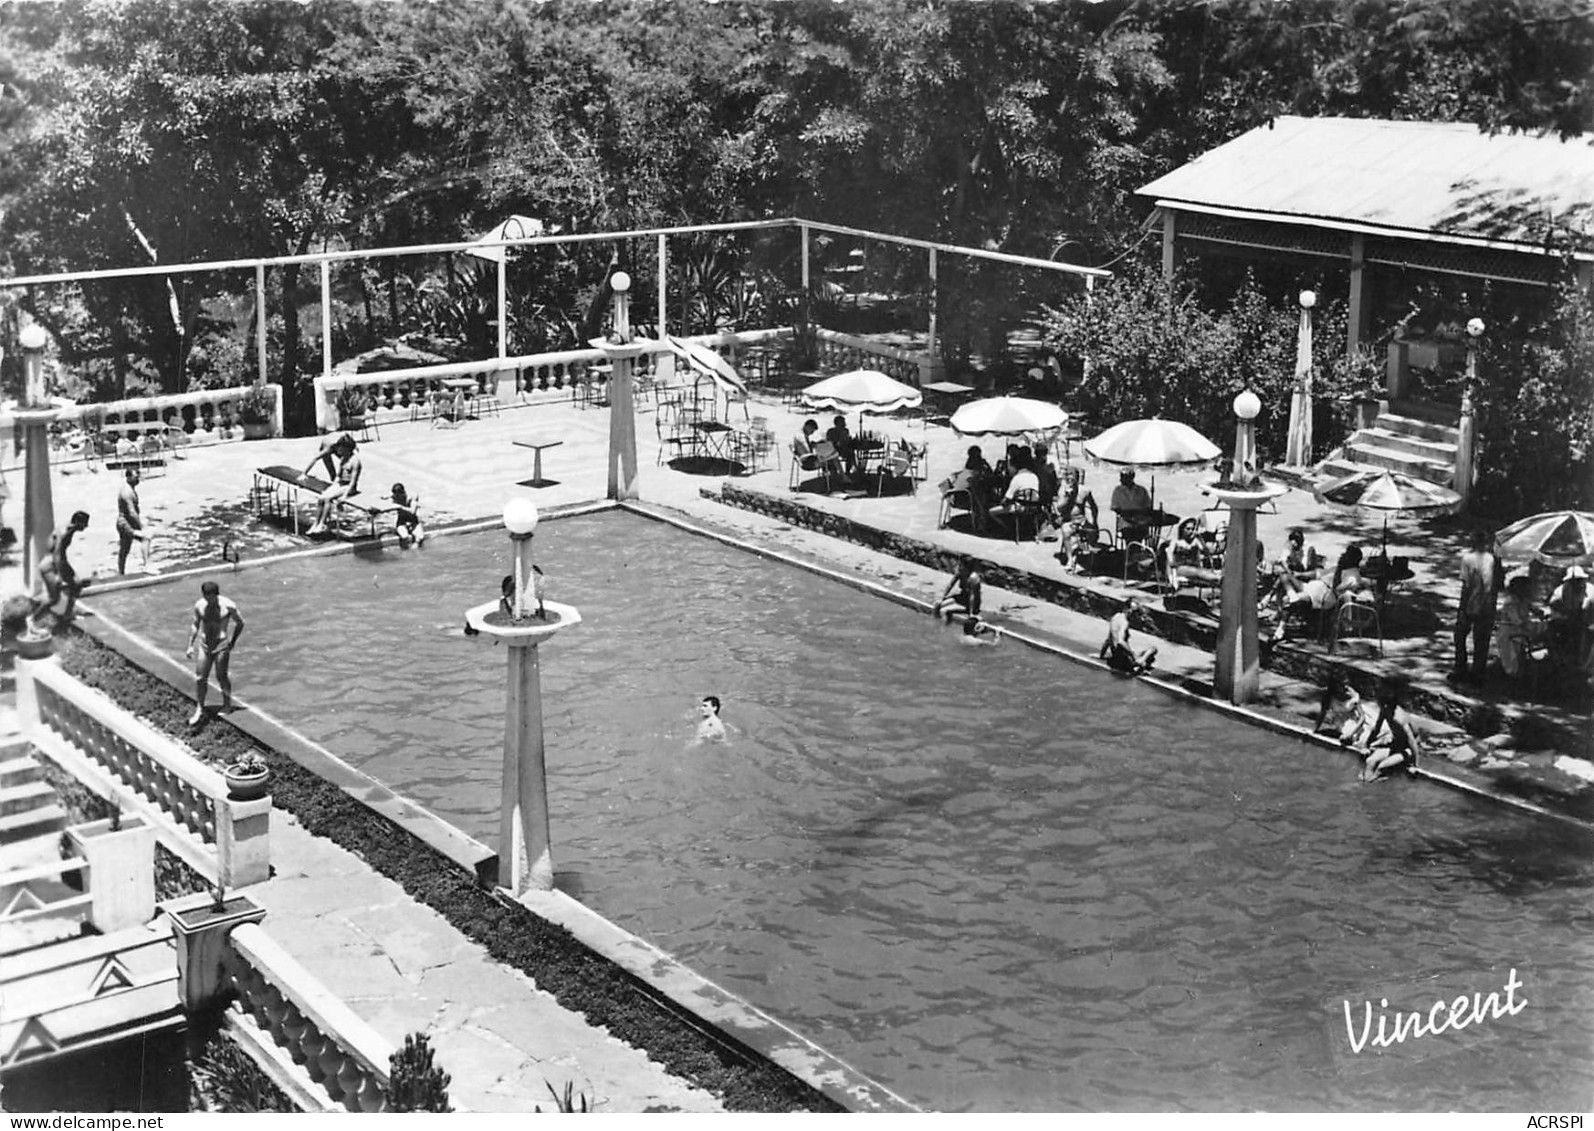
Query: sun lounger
{"x": 277, "y": 491}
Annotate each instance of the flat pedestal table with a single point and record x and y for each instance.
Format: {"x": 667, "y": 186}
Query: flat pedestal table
{"x": 536, "y": 469}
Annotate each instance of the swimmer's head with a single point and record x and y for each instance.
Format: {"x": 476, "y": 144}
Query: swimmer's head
{"x": 972, "y": 626}
{"x": 210, "y": 591}
{"x": 710, "y": 706}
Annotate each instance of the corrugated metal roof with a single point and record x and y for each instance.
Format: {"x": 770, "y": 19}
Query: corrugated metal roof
{"x": 1415, "y": 177}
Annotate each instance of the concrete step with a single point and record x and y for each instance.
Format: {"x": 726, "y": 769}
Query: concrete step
{"x": 1416, "y": 467}
{"x": 1438, "y": 451}
{"x": 14, "y": 745}
{"x": 18, "y": 769}
{"x": 29, "y": 795}
{"x": 1427, "y": 411}
{"x": 38, "y": 822}
{"x": 1418, "y": 427}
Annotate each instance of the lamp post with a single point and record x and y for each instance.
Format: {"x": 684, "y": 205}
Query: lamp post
{"x": 525, "y": 854}
{"x": 1237, "y": 671}
{"x": 1466, "y": 469}
{"x": 34, "y": 417}
{"x": 1298, "y": 443}
{"x": 622, "y": 353}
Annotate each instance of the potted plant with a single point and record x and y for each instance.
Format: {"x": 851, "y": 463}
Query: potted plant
{"x": 351, "y": 404}
{"x": 247, "y": 775}
{"x": 255, "y": 410}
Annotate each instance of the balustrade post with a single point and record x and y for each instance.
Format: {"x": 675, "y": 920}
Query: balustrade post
{"x": 201, "y": 929}
{"x": 121, "y": 871}
{"x": 243, "y": 841}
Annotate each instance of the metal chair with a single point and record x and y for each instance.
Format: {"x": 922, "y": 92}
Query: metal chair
{"x": 898, "y": 464}
{"x": 807, "y": 461}
{"x": 1354, "y": 618}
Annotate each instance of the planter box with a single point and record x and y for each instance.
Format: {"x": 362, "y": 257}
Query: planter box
{"x": 254, "y": 430}
{"x": 201, "y": 929}
{"x": 121, "y": 871}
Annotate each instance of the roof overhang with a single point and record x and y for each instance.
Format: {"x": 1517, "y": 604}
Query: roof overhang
{"x": 1378, "y": 230}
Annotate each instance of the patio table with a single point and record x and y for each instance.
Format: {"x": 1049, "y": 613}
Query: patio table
{"x": 536, "y": 470}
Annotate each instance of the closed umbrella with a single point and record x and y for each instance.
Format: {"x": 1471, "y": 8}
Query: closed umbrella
{"x": 1007, "y": 416}
{"x": 1394, "y": 494}
{"x": 1298, "y": 446}
{"x": 1556, "y": 538}
{"x": 709, "y": 363}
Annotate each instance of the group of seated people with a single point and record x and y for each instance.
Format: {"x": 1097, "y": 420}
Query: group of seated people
{"x": 839, "y": 453}
{"x": 1557, "y": 633}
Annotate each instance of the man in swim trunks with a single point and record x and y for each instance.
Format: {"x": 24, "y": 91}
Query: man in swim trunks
{"x": 345, "y": 483}
{"x": 129, "y": 518}
{"x": 962, "y": 593}
{"x": 214, "y": 615}
{"x": 56, "y": 573}
{"x": 328, "y": 453}
{"x": 1121, "y": 656}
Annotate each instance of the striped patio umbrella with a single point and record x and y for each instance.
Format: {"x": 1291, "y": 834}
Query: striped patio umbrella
{"x": 1557, "y": 538}
{"x": 1394, "y": 494}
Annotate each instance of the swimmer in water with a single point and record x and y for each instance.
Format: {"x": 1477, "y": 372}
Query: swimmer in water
{"x": 710, "y": 728}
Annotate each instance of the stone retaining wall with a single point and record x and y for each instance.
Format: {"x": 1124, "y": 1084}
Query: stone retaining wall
{"x": 1174, "y": 625}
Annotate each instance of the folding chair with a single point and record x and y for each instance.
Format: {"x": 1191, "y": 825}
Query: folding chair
{"x": 1354, "y": 618}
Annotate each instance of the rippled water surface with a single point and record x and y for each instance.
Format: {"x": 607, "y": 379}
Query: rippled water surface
{"x": 987, "y": 877}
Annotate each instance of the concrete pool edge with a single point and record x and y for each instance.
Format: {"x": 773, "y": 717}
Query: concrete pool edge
{"x": 1035, "y": 639}
{"x": 727, "y": 1015}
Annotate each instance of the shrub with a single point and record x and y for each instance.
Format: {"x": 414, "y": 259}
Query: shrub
{"x": 414, "y": 1082}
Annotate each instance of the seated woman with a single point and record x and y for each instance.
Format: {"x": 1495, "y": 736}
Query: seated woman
{"x": 1572, "y": 617}
{"x": 1343, "y": 713}
{"x": 1517, "y": 631}
{"x": 1391, "y": 741}
{"x": 1079, "y": 517}
{"x": 1319, "y": 594}
{"x": 1186, "y": 559}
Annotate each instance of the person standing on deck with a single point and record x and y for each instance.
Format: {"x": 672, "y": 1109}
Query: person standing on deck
{"x": 1481, "y": 579}
{"x": 129, "y": 518}
{"x": 214, "y": 615}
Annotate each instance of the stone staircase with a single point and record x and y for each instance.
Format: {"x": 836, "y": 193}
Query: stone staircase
{"x": 1417, "y": 440}
{"x": 29, "y": 809}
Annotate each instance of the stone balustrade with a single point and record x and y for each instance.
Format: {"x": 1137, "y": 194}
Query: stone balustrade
{"x": 325, "y": 1040}
{"x": 145, "y": 772}
{"x": 838, "y": 352}
{"x": 205, "y": 415}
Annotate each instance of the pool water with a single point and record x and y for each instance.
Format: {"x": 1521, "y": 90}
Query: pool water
{"x": 987, "y": 877}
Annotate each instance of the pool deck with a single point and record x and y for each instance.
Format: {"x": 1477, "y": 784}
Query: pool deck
{"x": 500, "y": 1054}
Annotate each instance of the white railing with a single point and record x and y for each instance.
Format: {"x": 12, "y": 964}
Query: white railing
{"x": 838, "y": 352}
{"x": 400, "y": 391}
{"x": 206, "y": 415}
{"x": 145, "y": 772}
{"x": 318, "y": 1036}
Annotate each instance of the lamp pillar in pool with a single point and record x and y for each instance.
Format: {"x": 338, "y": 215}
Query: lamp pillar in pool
{"x": 525, "y": 852}
{"x": 622, "y": 352}
{"x": 1237, "y": 672}
{"x": 34, "y": 417}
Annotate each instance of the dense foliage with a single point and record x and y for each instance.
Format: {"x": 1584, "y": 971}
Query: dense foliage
{"x": 158, "y": 131}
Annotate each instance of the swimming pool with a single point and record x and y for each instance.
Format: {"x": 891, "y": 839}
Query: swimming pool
{"x": 987, "y": 877}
